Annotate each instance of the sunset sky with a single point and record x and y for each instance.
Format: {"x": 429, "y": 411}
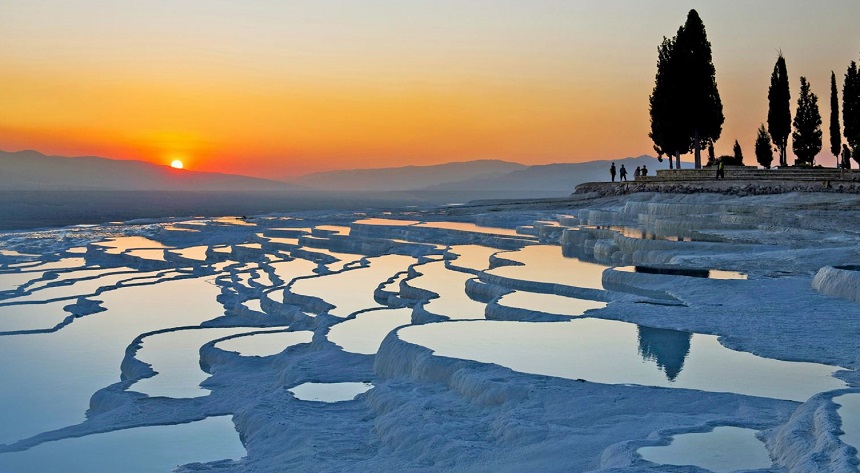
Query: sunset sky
{"x": 279, "y": 88}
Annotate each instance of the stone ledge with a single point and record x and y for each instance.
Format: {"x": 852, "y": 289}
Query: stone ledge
{"x": 838, "y": 281}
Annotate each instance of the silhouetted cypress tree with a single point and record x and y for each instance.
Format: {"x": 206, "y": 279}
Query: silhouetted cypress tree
{"x": 763, "y": 151}
{"x": 779, "y": 110}
{"x": 703, "y": 111}
{"x": 806, "y": 137}
{"x": 711, "y": 158}
{"x": 667, "y": 131}
{"x": 659, "y": 106}
{"x": 738, "y": 154}
{"x": 851, "y": 109}
{"x": 835, "y": 133}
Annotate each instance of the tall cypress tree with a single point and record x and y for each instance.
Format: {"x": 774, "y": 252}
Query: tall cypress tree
{"x": 667, "y": 130}
{"x": 835, "y": 132}
{"x": 806, "y": 137}
{"x": 763, "y": 152}
{"x": 738, "y": 154}
{"x": 779, "y": 110}
{"x": 703, "y": 114}
{"x": 851, "y": 109}
{"x": 712, "y": 158}
{"x": 659, "y": 105}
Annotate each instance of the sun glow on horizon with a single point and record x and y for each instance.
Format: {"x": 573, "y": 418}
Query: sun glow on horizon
{"x": 304, "y": 87}
{"x": 176, "y": 164}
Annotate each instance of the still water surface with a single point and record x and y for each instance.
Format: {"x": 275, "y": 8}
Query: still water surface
{"x": 49, "y": 378}
{"x": 138, "y": 450}
{"x": 613, "y": 352}
{"x": 264, "y": 343}
{"x": 329, "y": 392}
{"x": 723, "y": 450}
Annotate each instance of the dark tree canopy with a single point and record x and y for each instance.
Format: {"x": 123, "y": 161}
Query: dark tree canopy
{"x": 738, "y": 154}
{"x": 806, "y": 137}
{"x": 779, "y": 109}
{"x": 763, "y": 151}
{"x": 851, "y": 109}
{"x": 835, "y": 132}
{"x": 686, "y": 110}
{"x": 704, "y": 110}
{"x": 666, "y": 128}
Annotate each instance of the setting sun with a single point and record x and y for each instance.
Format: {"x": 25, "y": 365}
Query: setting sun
{"x": 176, "y": 164}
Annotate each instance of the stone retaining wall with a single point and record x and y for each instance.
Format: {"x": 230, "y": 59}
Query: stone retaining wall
{"x": 723, "y": 186}
{"x": 753, "y": 173}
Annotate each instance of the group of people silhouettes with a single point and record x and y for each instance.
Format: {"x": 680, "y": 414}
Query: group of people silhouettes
{"x": 622, "y": 173}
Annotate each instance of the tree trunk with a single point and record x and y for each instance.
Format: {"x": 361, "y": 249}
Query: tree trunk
{"x": 671, "y": 162}
{"x": 783, "y": 159}
{"x": 677, "y": 160}
{"x": 698, "y": 150}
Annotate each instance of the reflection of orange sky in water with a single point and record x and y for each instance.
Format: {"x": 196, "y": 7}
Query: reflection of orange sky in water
{"x": 385, "y": 221}
{"x": 549, "y": 303}
{"x": 450, "y": 286}
{"x": 544, "y": 263}
{"x": 473, "y": 228}
{"x": 364, "y": 333}
{"x": 472, "y": 256}
{"x": 119, "y": 245}
{"x": 355, "y": 286}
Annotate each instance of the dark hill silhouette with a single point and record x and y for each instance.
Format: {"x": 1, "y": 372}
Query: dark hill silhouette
{"x": 31, "y": 170}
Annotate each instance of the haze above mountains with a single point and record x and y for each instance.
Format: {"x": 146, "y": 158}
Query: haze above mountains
{"x": 34, "y": 171}
{"x": 31, "y": 170}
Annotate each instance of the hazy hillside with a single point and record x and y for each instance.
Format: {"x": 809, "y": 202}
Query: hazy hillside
{"x": 406, "y": 177}
{"x": 550, "y": 179}
{"x": 31, "y": 170}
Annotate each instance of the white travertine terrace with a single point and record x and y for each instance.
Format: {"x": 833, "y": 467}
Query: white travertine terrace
{"x": 566, "y": 362}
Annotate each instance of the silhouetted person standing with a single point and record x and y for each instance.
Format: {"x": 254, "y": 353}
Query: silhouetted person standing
{"x": 637, "y": 172}
{"x": 644, "y": 171}
{"x": 612, "y": 172}
{"x": 622, "y": 174}
{"x": 721, "y": 172}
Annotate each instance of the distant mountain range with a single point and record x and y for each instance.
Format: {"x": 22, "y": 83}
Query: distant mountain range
{"x": 553, "y": 179}
{"x": 31, "y": 170}
{"x": 454, "y": 182}
{"x": 479, "y": 179}
{"x": 407, "y": 177}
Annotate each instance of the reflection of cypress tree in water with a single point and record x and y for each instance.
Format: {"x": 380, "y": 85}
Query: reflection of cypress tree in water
{"x": 669, "y": 348}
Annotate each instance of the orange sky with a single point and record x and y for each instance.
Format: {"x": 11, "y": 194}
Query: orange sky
{"x": 274, "y": 89}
